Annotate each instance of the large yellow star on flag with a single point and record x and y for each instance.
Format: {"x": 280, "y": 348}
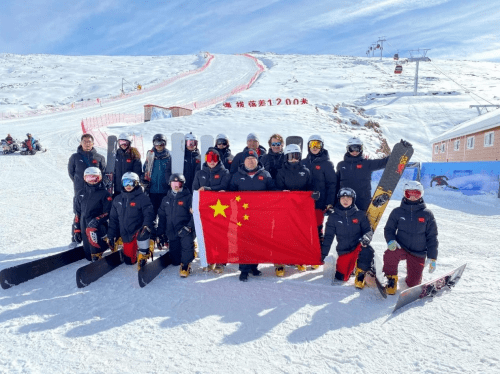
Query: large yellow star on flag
{"x": 219, "y": 208}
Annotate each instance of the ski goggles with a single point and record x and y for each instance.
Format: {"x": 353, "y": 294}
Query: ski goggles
{"x": 191, "y": 143}
{"x": 92, "y": 179}
{"x": 413, "y": 193}
{"x": 294, "y": 156}
{"x": 315, "y": 144}
{"x": 276, "y": 144}
{"x": 221, "y": 142}
{"x": 123, "y": 142}
{"x": 211, "y": 157}
{"x": 345, "y": 192}
{"x": 128, "y": 182}
{"x": 159, "y": 142}
{"x": 175, "y": 184}
{"x": 355, "y": 148}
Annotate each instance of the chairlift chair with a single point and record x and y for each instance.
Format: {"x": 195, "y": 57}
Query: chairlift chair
{"x": 396, "y": 56}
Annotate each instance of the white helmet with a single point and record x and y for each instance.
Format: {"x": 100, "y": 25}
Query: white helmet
{"x": 316, "y": 137}
{"x": 354, "y": 141}
{"x": 221, "y": 136}
{"x": 92, "y": 174}
{"x": 414, "y": 186}
{"x": 292, "y": 148}
{"x": 125, "y": 136}
{"x": 190, "y": 136}
{"x": 130, "y": 175}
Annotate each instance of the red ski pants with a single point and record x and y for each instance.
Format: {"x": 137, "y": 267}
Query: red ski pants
{"x": 414, "y": 265}
{"x": 130, "y": 249}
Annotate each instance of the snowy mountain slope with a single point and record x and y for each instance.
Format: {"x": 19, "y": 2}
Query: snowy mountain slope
{"x": 208, "y": 323}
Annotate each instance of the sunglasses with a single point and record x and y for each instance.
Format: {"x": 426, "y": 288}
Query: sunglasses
{"x": 415, "y": 193}
{"x": 276, "y": 144}
{"x": 222, "y": 142}
{"x": 355, "y": 148}
{"x": 92, "y": 179}
{"x": 128, "y": 182}
{"x": 211, "y": 157}
{"x": 294, "y": 156}
{"x": 158, "y": 142}
{"x": 315, "y": 144}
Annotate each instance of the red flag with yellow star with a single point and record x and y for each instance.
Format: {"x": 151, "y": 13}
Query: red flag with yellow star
{"x": 256, "y": 227}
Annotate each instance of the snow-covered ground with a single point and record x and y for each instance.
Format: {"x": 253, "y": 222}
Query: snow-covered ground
{"x": 214, "y": 323}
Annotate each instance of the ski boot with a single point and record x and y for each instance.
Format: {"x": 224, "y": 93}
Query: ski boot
{"x": 392, "y": 284}
{"x": 145, "y": 255}
{"x": 184, "y": 270}
{"x": 314, "y": 267}
{"x": 359, "y": 278}
{"x": 96, "y": 256}
{"x": 244, "y": 276}
{"x": 301, "y": 268}
{"x": 256, "y": 272}
{"x": 219, "y": 268}
{"x": 279, "y": 270}
{"x": 209, "y": 267}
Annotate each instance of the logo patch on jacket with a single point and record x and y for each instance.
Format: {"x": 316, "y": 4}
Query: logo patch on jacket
{"x": 261, "y": 178}
{"x": 318, "y": 167}
{"x": 132, "y": 204}
{"x": 181, "y": 203}
{"x": 94, "y": 161}
{"x": 359, "y": 166}
{"x": 216, "y": 176}
{"x": 129, "y": 160}
{"x": 421, "y": 219}
{"x": 110, "y": 198}
{"x": 355, "y": 220}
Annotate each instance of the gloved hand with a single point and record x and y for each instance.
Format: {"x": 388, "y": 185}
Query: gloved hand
{"x": 393, "y": 245}
{"x": 405, "y": 143}
{"x": 329, "y": 209}
{"x": 77, "y": 236}
{"x": 144, "y": 233}
{"x": 315, "y": 195}
{"x": 162, "y": 241}
{"x": 365, "y": 240}
{"x": 184, "y": 231}
{"x": 111, "y": 243}
{"x": 432, "y": 265}
{"x": 95, "y": 222}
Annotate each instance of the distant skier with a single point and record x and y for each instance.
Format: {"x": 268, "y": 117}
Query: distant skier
{"x": 274, "y": 158}
{"x": 441, "y": 180}
{"x": 92, "y": 205}
{"x": 128, "y": 159}
{"x": 192, "y": 159}
{"x": 252, "y": 143}
{"x": 222, "y": 145}
{"x": 411, "y": 234}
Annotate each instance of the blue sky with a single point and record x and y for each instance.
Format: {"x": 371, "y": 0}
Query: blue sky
{"x": 455, "y": 29}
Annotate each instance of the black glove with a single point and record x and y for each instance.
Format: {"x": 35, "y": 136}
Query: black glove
{"x": 111, "y": 243}
{"x": 405, "y": 143}
{"x": 185, "y": 231}
{"x": 315, "y": 195}
{"x": 162, "y": 241}
{"x": 145, "y": 184}
{"x": 77, "y": 236}
{"x": 365, "y": 240}
{"x": 144, "y": 234}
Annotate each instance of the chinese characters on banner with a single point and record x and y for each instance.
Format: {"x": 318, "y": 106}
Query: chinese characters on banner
{"x": 261, "y": 103}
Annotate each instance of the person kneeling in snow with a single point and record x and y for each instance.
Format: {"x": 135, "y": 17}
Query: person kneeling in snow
{"x": 176, "y": 225}
{"x": 132, "y": 218}
{"x": 411, "y": 235}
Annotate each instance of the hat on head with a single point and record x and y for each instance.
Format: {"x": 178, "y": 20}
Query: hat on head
{"x": 252, "y": 136}
{"x": 251, "y": 153}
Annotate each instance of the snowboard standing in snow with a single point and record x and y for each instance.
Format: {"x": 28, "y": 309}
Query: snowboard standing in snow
{"x": 430, "y": 288}
{"x": 149, "y": 271}
{"x": 295, "y": 140}
{"x": 110, "y": 163}
{"x": 150, "y": 160}
{"x": 95, "y": 270}
{"x": 206, "y": 142}
{"x": 178, "y": 146}
{"x": 21, "y": 273}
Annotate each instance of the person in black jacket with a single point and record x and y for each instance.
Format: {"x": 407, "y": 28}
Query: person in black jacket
{"x": 251, "y": 176}
{"x": 176, "y": 224}
{"x": 412, "y": 235}
{"x": 252, "y": 143}
{"x": 92, "y": 205}
{"x": 324, "y": 178}
{"x": 222, "y": 145}
{"x": 192, "y": 159}
{"x": 128, "y": 159}
{"x": 351, "y": 227}
{"x": 132, "y": 218}
{"x": 273, "y": 160}
{"x": 356, "y": 172}
{"x": 85, "y": 157}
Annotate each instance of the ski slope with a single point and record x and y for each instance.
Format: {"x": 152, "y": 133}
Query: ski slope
{"x": 213, "y": 323}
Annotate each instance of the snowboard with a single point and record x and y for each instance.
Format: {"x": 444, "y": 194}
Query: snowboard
{"x": 110, "y": 163}
{"x": 178, "y": 145}
{"x": 431, "y": 288}
{"x": 95, "y": 270}
{"x": 21, "y": 273}
{"x": 150, "y": 159}
{"x": 150, "y": 271}
{"x": 295, "y": 140}
{"x": 206, "y": 142}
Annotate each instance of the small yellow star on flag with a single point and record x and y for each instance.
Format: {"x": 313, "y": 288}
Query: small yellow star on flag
{"x": 239, "y": 224}
{"x": 219, "y": 208}
{"x": 238, "y": 198}
{"x": 245, "y": 206}
{"x": 245, "y": 217}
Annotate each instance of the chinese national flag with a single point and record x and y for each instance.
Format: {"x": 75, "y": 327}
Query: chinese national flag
{"x": 256, "y": 227}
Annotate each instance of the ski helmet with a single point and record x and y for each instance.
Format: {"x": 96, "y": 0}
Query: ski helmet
{"x": 130, "y": 179}
{"x": 190, "y": 136}
{"x": 212, "y": 155}
{"x": 92, "y": 175}
{"x": 292, "y": 151}
{"x": 160, "y": 138}
{"x": 347, "y": 191}
{"x": 191, "y": 140}
{"x": 125, "y": 136}
{"x": 354, "y": 145}
{"x": 413, "y": 188}
{"x": 177, "y": 177}
{"x": 221, "y": 139}
{"x": 315, "y": 141}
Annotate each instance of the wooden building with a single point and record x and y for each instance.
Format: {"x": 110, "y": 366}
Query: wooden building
{"x": 173, "y": 111}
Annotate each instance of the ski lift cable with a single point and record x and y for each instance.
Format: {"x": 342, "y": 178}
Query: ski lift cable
{"x": 467, "y": 90}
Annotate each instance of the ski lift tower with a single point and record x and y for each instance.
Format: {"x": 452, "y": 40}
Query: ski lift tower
{"x": 422, "y": 57}
{"x": 381, "y": 40}
{"x": 374, "y": 47}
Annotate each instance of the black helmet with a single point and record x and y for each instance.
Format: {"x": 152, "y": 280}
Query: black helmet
{"x": 160, "y": 138}
{"x": 176, "y": 177}
{"x": 346, "y": 191}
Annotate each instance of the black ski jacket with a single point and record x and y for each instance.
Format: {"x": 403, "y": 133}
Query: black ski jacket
{"x": 324, "y": 178}
{"x": 175, "y": 213}
{"x": 130, "y": 212}
{"x": 260, "y": 181}
{"x": 348, "y": 225}
{"x": 80, "y": 161}
{"x": 414, "y": 227}
{"x": 126, "y": 161}
{"x": 226, "y": 157}
{"x": 215, "y": 179}
{"x": 91, "y": 202}
{"x": 192, "y": 163}
{"x": 294, "y": 177}
{"x": 238, "y": 160}
{"x": 273, "y": 162}
{"x": 356, "y": 173}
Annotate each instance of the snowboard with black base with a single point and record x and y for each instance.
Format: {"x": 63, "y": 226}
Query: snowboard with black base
{"x": 150, "y": 270}
{"x": 95, "y": 270}
{"x": 431, "y": 288}
{"x": 21, "y": 273}
{"x": 295, "y": 140}
{"x": 110, "y": 163}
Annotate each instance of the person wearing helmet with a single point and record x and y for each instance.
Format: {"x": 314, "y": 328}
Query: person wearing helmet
{"x": 411, "y": 234}
{"x": 355, "y": 171}
{"x": 127, "y": 159}
{"x": 222, "y": 145}
{"x": 176, "y": 224}
{"x": 293, "y": 176}
{"x": 273, "y": 160}
{"x": 158, "y": 187}
{"x": 85, "y": 157}
{"x": 31, "y": 145}
{"x": 324, "y": 178}
{"x": 251, "y": 176}
{"x": 192, "y": 159}
{"x": 252, "y": 143}
{"x": 351, "y": 227}
{"x": 131, "y": 218}
{"x": 92, "y": 205}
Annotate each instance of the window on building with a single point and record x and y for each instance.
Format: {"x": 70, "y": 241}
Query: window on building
{"x": 489, "y": 137}
{"x": 456, "y": 145}
{"x": 436, "y": 149}
{"x": 443, "y": 147}
{"x": 470, "y": 142}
